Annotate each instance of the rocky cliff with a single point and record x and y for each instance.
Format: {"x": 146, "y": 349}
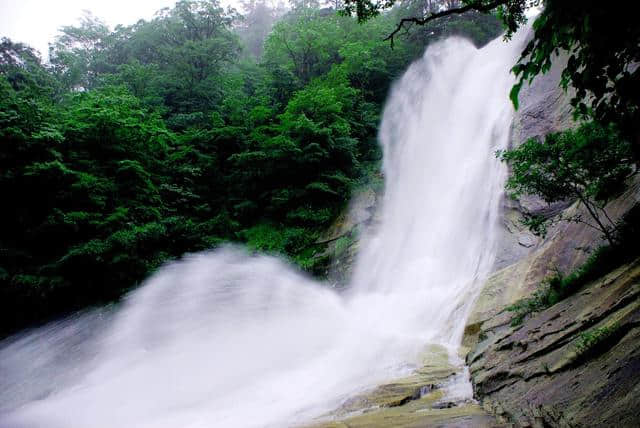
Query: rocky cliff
{"x": 576, "y": 363}
{"x": 572, "y": 365}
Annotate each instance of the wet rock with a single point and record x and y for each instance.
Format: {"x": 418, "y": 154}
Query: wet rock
{"x": 342, "y": 239}
{"x": 574, "y": 364}
{"x": 527, "y": 241}
{"x": 566, "y": 247}
{"x": 444, "y": 405}
{"x": 416, "y": 415}
{"x": 417, "y": 400}
{"x": 544, "y": 108}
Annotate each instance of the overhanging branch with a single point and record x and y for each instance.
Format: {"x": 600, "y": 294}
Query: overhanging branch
{"x": 478, "y": 6}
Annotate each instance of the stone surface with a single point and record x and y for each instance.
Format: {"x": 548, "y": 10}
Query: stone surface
{"x": 546, "y": 372}
{"x": 417, "y": 400}
{"x": 360, "y": 212}
{"x": 565, "y": 248}
{"x": 343, "y": 237}
{"x": 544, "y": 108}
{"x": 417, "y": 414}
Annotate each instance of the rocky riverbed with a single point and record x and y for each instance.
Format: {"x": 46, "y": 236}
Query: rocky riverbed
{"x": 426, "y": 397}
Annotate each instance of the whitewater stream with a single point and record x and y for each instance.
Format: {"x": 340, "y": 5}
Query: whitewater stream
{"x": 229, "y": 339}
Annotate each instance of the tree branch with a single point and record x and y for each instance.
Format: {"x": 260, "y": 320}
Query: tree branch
{"x": 586, "y": 223}
{"x": 477, "y": 6}
{"x": 613, "y": 224}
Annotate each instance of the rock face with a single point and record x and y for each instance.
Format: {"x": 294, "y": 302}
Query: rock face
{"x": 343, "y": 237}
{"x": 523, "y": 259}
{"x": 416, "y": 415}
{"x": 566, "y": 248}
{"x": 544, "y": 108}
{"x": 574, "y": 364}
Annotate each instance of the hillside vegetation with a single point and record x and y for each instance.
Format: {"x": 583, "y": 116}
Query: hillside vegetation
{"x": 135, "y": 145}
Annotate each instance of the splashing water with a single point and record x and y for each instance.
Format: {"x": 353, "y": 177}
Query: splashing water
{"x": 232, "y": 340}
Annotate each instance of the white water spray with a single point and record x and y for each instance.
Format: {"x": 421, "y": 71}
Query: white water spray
{"x": 224, "y": 339}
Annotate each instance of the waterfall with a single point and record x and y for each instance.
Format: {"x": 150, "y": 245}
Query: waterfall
{"x": 229, "y": 339}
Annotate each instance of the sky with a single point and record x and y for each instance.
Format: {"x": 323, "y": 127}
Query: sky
{"x": 35, "y": 22}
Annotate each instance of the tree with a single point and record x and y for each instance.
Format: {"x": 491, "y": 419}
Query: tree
{"x": 22, "y": 68}
{"x": 306, "y": 43}
{"x": 258, "y": 19}
{"x": 78, "y": 55}
{"x": 589, "y": 164}
{"x": 196, "y": 43}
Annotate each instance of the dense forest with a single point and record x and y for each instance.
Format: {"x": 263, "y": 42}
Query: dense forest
{"x": 136, "y": 145}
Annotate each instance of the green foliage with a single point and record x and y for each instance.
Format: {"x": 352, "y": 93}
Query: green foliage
{"x": 82, "y": 206}
{"x": 592, "y": 161}
{"x": 558, "y": 287}
{"x": 591, "y": 341}
{"x": 343, "y": 243}
{"x": 277, "y": 239}
{"x": 480, "y": 28}
{"x": 589, "y": 164}
{"x": 603, "y": 47}
{"x": 421, "y": 12}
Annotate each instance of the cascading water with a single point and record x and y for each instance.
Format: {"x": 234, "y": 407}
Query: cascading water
{"x": 232, "y": 340}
